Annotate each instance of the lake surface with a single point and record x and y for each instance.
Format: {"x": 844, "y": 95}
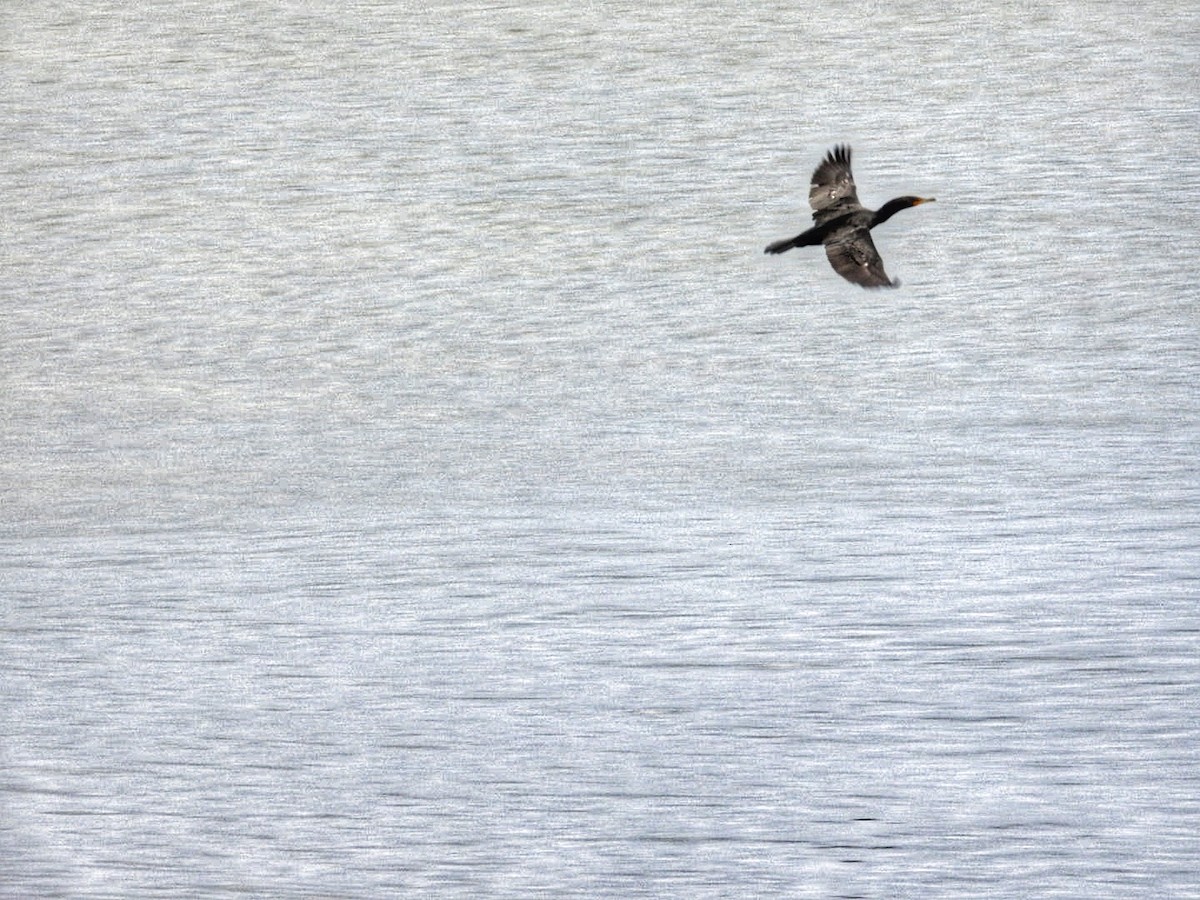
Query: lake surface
{"x": 418, "y": 482}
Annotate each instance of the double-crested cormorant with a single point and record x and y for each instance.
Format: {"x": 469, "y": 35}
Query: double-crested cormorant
{"x": 843, "y": 224}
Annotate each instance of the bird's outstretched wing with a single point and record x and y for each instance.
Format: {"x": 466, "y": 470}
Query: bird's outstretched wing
{"x": 855, "y": 258}
{"x": 832, "y": 193}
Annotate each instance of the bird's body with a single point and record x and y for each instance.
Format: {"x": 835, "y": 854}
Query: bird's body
{"x": 843, "y": 224}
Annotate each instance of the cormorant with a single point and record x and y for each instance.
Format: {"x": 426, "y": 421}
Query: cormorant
{"x": 843, "y": 224}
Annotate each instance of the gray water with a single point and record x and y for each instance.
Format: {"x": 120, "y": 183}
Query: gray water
{"x": 418, "y": 482}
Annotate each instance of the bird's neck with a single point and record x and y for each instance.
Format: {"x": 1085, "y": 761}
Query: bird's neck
{"x": 889, "y": 209}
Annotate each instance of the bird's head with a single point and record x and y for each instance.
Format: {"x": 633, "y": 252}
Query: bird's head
{"x": 892, "y": 207}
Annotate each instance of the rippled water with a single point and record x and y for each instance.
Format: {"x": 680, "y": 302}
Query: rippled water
{"x": 418, "y": 481}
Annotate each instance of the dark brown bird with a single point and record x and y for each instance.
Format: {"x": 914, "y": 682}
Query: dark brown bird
{"x": 844, "y": 225}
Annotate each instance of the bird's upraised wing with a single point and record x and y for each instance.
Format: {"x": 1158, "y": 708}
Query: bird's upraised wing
{"x": 854, "y": 257}
{"x": 832, "y": 193}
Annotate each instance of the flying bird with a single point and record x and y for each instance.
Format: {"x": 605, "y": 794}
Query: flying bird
{"x": 843, "y": 224}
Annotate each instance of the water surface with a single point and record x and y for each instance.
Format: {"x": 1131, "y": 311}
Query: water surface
{"x": 418, "y": 481}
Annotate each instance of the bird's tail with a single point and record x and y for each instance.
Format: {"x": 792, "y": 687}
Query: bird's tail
{"x": 782, "y": 246}
{"x": 814, "y": 235}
